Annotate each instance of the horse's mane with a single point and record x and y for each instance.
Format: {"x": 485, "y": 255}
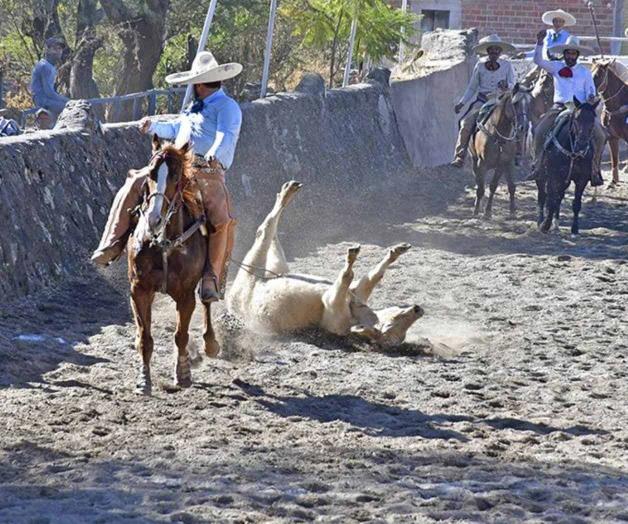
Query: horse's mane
{"x": 190, "y": 191}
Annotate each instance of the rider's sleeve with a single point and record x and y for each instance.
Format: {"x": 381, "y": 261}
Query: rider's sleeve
{"x": 165, "y": 130}
{"x": 474, "y": 85}
{"x": 550, "y": 67}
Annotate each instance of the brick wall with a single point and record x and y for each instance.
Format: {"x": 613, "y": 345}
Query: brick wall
{"x": 520, "y": 20}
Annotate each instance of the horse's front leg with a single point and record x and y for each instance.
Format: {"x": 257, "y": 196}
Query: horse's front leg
{"x": 488, "y": 211}
{"x": 511, "y": 191}
{"x": 576, "y": 206}
{"x": 182, "y": 368}
{"x": 212, "y": 348}
{"x": 478, "y": 171}
{"x": 141, "y": 302}
{"x": 541, "y": 198}
{"x": 613, "y": 143}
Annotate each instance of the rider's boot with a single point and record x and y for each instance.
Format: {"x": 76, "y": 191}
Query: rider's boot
{"x": 219, "y": 246}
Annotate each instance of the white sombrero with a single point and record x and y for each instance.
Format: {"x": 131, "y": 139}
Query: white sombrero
{"x": 205, "y": 68}
{"x": 548, "y": 16}
{"x": 574, "y": 44}
{"x": 493, "y": 41}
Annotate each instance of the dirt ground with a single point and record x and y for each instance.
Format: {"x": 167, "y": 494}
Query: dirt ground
{"x": 509, "y": 405}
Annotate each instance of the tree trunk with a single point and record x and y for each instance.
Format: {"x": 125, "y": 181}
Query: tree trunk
{"x": 81, "y": 80}
{"x": 82, "y": 83}
{"x": 143, "y": 36}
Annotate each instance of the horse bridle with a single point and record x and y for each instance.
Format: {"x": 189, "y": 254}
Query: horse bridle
{"x": 501, "y": 139}
{"x": 604, "y": 86}
{"x": 158, "y": 239}
{"x": 572, "y": 155}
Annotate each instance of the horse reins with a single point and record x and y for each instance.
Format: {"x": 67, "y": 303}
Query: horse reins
{"x": 500, "y": 139}
{"x": 572, "y": 155}
{"x": 601, "y": 90}
{"x": 248, "y": 269}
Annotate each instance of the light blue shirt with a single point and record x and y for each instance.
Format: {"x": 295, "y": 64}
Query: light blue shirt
{"x": 213, "y": 132}
{"x": 551, "y": 39}
{"x": 43, "y": 87}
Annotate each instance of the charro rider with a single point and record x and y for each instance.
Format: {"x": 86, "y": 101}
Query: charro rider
{"x": 489, "y": 77}
{"x": 212, "y": 125}
{"x": 571, "y": 80}
{"x": 557, "y": 35}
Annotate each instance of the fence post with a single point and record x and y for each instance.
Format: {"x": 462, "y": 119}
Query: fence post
{"x": 404, "y": 9}
{"x": 354, "y": 28}
{"x": 201, "y": 46}
{"x": 269, "y": 47}
{"x": 152, "y": 103}
{"x": 134, "y": 110}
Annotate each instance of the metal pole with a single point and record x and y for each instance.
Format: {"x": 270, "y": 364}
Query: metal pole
{"x": 404, "y": 9}
{"x": 597, "y": 33}
{"x": 201, "y": 46}
{"x": 269, "y": 47}
{"x": 354, "y": 28}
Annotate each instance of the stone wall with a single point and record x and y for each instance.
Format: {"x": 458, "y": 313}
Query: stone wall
{"x": 56, "y": 187}
{"x": 424, "y": 103}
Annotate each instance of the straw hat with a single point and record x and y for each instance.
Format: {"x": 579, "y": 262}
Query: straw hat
{"x": 493, "y": 41}
{"x": 573, "y": 44}
{"x": 205, "y": 68}
{"x": 548, "y": 16}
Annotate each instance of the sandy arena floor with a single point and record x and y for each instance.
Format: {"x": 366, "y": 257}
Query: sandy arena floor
{"x": 511, "y": 405}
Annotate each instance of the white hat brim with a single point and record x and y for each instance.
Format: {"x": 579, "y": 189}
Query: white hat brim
{"x": 507, "y": 48}
{"x": 550, "y": 15}
{"x": 218, "y": 73}
{"x": 561, "y": 48}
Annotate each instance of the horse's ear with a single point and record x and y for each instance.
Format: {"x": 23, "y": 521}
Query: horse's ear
{"x": 185, "y": 148}
{"x": 156, "y": 144}
{"x": 576, "y": 102}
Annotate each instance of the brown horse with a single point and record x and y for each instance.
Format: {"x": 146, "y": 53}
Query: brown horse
{"x": 494, "y": 147}
{"x": 610, "y": 78}
{"x": 167, "y": 253}
{"x": 542, "y": 97}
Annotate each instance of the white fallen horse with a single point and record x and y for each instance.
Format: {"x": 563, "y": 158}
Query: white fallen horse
{"x": 267, "y": 297}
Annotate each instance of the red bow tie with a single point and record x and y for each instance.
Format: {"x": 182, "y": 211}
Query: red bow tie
{"x": 565, "y": 72}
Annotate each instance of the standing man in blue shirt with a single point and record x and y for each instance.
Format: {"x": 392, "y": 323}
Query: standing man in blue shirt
{"x": 556, "y": 35}
{"x": 212, "y": 126}
{"x": 44, "y": 76}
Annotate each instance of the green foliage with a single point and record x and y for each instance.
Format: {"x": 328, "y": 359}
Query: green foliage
{"x": 380, "y": 27}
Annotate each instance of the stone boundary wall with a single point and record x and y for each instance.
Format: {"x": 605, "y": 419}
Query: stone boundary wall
{"x": 424, "y": 105}
{"x": 56, "y": 186}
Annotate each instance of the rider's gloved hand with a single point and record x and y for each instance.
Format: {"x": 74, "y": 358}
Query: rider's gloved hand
{"x": 540, "y": 36}
{"x": 458, "y": 108}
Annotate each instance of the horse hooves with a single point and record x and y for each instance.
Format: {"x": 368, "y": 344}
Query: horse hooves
{"x": 144, "y": 388}
{"x": 185, "y": 381}
{"x": 196, "y": 360}
{"x": 212, "y": 348}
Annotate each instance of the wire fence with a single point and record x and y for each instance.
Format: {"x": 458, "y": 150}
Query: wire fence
{"x": 128, "y": 107}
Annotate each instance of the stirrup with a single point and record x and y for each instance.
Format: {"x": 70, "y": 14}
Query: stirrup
{"x": 208, "y": 296}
